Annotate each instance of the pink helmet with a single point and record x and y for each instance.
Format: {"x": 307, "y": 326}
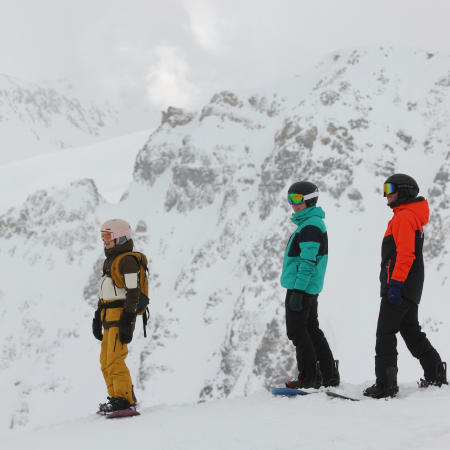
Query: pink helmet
{"x": 117, "y": 228}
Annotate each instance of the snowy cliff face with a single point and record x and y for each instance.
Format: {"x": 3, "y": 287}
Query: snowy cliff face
{"x": 208, "y": 203}
{"x": 36, "y": 118}
{"x": 337, "y": 133}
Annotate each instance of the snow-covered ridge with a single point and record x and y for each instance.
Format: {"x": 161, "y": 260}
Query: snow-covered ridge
{"x": 41, "y": 104}
{"x": 36, "y": 118}
{"x": 109, "y": 163}
{"x": 208, "y": 202}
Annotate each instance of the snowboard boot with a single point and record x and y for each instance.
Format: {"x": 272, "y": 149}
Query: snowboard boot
{"x": 439, "y": 379}
{"x": 386, "y": 387}
{"x": 121, "y": 407}
{"x": 307, "y": 382}
{"x": 115, "y": 404}
{"x": 334, "y": 379}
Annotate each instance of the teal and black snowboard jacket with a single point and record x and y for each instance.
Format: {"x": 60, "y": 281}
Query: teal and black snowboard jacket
{"x": 306, "y": 256}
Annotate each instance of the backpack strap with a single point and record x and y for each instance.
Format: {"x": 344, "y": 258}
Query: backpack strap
{"x": 145, "y": 318}
{"x": 114, "y": 304}
{"x": 116, "y": 275}
{"x": 119, "y": 281}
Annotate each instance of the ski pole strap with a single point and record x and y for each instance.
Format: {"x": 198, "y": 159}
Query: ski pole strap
{"x": 145, "y": 317}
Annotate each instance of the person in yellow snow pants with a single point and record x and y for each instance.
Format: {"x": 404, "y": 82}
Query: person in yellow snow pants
{"x": 115, "y": 317}
{"x": 112, "y": 360}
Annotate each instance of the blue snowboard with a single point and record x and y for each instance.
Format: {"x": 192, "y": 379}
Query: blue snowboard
{"x": 288, "y": 392}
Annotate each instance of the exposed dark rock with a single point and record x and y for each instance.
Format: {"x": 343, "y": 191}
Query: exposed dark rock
{"x": 444, "y": 81}
{"x": 227, "y": 98}
{"x": 152, "y": 162}
{"x": 176, "y": 117}
{"x": 358, "y": 124}
{"x": 329, "y": 98}
{"x": 307, "y": 138}
{"x": 404, "y": 138}
{"x": 354, "y": 194}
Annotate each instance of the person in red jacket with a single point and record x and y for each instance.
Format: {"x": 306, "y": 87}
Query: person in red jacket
{"x": 401, "y": 278}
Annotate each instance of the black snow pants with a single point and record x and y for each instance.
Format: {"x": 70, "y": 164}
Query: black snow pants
{"x": 310, "y": 343}
{"x": 403, "y": 318}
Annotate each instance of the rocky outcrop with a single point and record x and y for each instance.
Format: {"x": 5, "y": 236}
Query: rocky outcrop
{"x": 176, "y": 117}
{"x": 60, "y": 218}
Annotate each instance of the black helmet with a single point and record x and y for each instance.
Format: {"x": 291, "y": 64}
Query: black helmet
{"x": 406, "y": 186}
{"x": 306, "y": 188}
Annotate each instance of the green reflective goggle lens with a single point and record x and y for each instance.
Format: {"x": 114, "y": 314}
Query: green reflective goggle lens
{"x": 296, "y": 199}
{"x": 389, "y": 188}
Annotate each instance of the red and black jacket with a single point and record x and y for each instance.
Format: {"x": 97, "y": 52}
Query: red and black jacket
{"x": 401, "y": 251}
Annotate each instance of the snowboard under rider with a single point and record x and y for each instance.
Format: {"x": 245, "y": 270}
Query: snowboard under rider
{"x": 401, "y": 278}
{"x": 116, "y": 314}
{"x": 304, "y": 266}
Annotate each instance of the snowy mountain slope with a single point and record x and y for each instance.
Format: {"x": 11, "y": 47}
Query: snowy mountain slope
{"x": 208, "y": 202}
{"x": 416, "y": 420}
{"x": 42, "y": 118}
{"x": 109, "y": 163}
{"x": 336, "y": 151}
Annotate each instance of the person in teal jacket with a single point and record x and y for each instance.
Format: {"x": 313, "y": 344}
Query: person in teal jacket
{"x": 304, "y": 267}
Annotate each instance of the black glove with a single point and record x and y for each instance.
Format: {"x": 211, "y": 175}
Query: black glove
{"x": 296, "y": 300}
{"x": 126, "y": 327}
{"x": 97, "y": 326}
{"x": 394, "y": 292}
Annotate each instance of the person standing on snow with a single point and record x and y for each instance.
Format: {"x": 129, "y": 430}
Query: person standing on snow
{"x": 304, "y": 267}
{"x": 116, "y": 313}
{"x": 401, "y": 278}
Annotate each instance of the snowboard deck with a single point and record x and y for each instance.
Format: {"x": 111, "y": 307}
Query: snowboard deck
{"x": 341, "y": 396}
{"x": 289, "y": 392}
{"x": 130, "y": 412}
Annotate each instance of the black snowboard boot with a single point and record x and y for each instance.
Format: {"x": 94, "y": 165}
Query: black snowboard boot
{"x": 113, "y": 404}
{"x": 334, "y": 379}
{"x": 385, "y": 387}
{"x": 307, "y": 382}
{"x": 439, "y": 379}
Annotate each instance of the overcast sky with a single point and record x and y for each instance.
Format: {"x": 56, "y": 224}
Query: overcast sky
{"x": 179, "y": 52}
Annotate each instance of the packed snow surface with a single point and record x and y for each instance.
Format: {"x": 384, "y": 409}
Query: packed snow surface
{"x": 416, "y": 419}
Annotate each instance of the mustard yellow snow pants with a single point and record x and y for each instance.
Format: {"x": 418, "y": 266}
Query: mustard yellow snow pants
{"x": 112, "y": 359}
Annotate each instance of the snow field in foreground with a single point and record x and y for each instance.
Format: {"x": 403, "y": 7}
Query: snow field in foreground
{"x": 416, "y": 419}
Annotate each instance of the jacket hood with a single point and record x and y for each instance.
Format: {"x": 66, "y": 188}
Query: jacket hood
{"x": 312, "y": 211}
{"x": 419, "y": 208}
{"x": 118, "y": 249}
